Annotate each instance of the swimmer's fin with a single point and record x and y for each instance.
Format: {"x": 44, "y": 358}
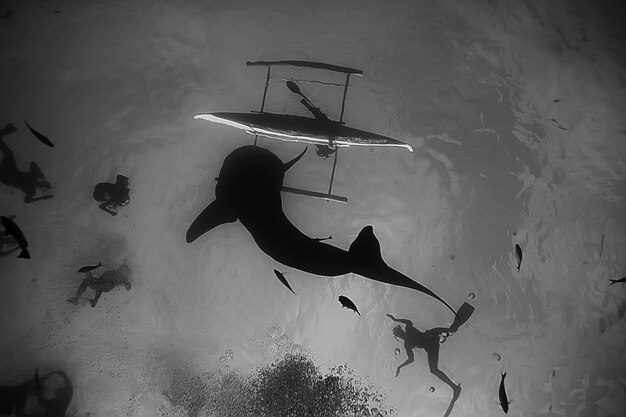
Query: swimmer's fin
{"x": 462, "y": 316}
{"x": 215, "y": 214}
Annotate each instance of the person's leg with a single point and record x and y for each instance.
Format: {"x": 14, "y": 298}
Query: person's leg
{"x": 433, "y": 362}
{"x": 94, "y": 300}
{"x": 81, "y": 289}
{"x": 8, "y": 160}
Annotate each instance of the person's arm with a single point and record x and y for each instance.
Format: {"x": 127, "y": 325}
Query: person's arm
{"x": 410, "y": 359}
{"x": 105, "y": 206}
{"x": 28, "y": 198}
{"x": 403, "y": 321}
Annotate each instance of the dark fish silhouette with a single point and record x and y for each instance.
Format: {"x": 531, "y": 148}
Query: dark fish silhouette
{"x": 90, "y": 268}
{"x": 518, "y": 255}
{"x": 615, "y": 281}
{"x": 249, "y": 189}
{"x": 43, "y": 138}
{"x": 346, "y": 302}
{"x": 504, "y": 401}
{"x": 560, "y": 126}
{"x": 282, "y": 279}
{"x": 12, "y": 229}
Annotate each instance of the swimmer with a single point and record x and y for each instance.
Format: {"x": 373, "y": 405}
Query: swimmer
{"x": 429, "y": 341}
{"x": 48, "y": 396}
{"x": 32, "y": 183}
{"x": 112, "y": 195}
{"x": 104, "y": 283}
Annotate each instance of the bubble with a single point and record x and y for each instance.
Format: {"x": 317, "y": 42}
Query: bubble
{"x": 273, "y": 332}
{"x": 222, "y": 358}
{"x": 471, "y": 296}
{"x": 431, "y": 389}
{"x": 396, "y": 352}
{"x": 496, "y": 356}
{"x": 229, "y": 352}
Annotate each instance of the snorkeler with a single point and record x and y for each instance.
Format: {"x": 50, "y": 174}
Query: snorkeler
{"x": 104, "y": 283}
{"x": 48, "y": 396}
{"x": 112, "y": 195}
{"x": 429, "y": 341}
{"x": 32, "y": 183}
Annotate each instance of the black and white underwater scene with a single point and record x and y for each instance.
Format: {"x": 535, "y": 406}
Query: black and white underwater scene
{"x": 354, "y": 208}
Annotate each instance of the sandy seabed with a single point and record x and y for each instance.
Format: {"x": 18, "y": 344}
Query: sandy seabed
{"x": 514, "y": 109}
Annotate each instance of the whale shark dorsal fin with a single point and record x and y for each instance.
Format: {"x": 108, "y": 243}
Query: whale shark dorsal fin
{"x": 218, "y": 212}
{"x": 291, "y": 163}
{"x": 366, "y": 246}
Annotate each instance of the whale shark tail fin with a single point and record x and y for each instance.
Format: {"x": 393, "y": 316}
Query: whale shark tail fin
{"x": 368, "y": 262}
{"x": 218, "y": 212}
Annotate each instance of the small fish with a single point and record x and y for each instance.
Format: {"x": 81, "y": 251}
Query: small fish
{"x": 282, "y": 279}
{"x": 518, "y": 255}
{"x": 558, "y": 124}
{"x": 90, "y": 268}
{"x": 346, "y": 302}
{"x": 12, "y": 229}
{"x": 504, "y": 401}
{"x": 556, "y": 100}
{"x": 615, "y": 281}
{"x": 43, "y": 138}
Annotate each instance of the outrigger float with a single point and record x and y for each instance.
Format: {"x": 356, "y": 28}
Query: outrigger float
{"x": 326, "y": 134}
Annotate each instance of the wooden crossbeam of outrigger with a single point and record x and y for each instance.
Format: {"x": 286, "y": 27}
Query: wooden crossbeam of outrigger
{"x": 317, "y": 65}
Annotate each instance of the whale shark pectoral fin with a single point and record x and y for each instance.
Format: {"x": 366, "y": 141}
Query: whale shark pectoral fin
{"x": 291, "y": 163}
{"x": 215, "y": 214}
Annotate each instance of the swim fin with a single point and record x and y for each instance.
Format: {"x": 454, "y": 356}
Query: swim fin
{"x": 462, "y": 315}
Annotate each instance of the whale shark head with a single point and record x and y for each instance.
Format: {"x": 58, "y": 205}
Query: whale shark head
{"x": 250, "y": 179}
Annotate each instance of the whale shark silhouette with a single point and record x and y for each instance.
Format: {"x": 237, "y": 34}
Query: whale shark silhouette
{"x": 248, "y": 189}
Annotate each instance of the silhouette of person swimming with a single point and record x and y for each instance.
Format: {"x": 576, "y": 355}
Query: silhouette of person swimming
{"x": 32, "y": 183}
{"x": 104, "y": 283}
{"x": 112, "y": 195}
{"x": 429, "y": 341}
{"x": 44, "y": 397}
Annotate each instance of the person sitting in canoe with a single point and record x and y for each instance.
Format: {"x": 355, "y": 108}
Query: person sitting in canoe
{"x": 32, "y": 182}
{"x": 321, "y": 150}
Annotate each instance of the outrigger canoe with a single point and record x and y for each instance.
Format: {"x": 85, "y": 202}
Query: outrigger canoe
{"x": 307, "y": 130}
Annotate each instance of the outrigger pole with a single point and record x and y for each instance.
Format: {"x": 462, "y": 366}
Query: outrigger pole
{"x": 318, "y": 65}
{"x": 343, "y": 106}
{"x": 267, "y": 83}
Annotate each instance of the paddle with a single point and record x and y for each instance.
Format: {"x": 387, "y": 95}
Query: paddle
{"x": 295, "y": 89}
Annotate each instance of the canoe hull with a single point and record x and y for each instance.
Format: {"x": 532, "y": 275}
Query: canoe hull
{"x": 302, "y": 129}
